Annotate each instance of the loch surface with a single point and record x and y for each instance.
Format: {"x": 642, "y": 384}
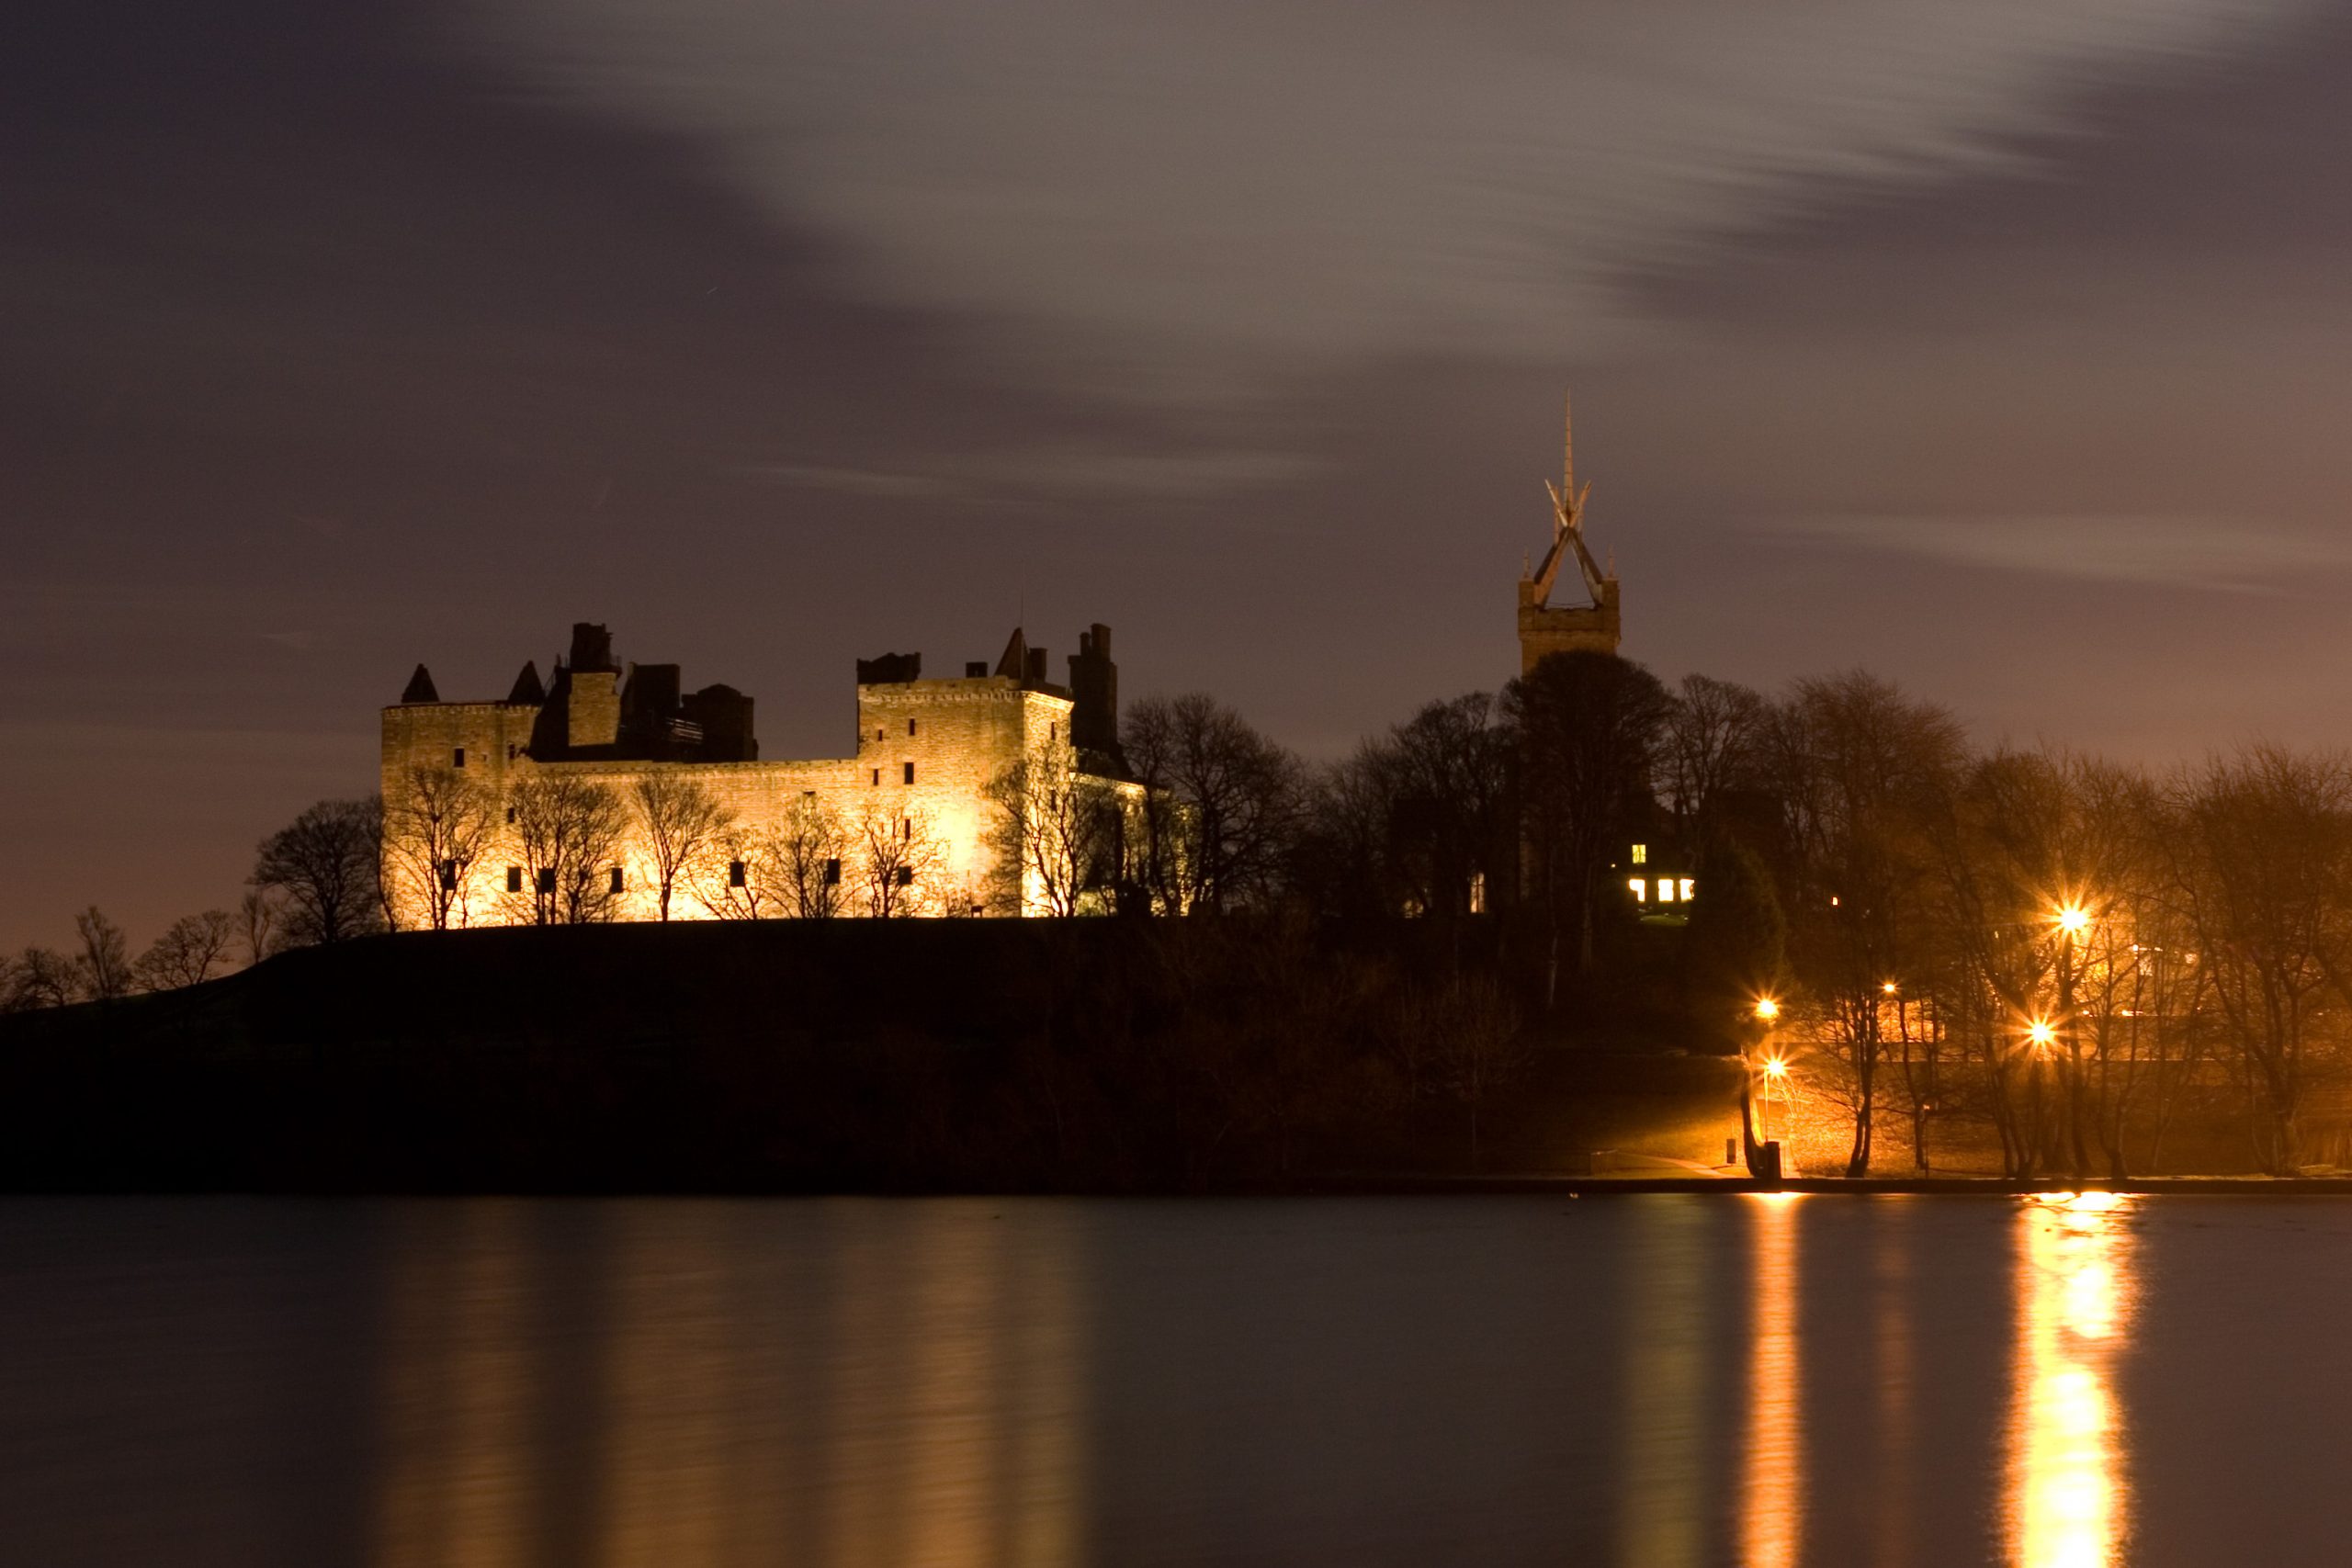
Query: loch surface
{"x": 1657, "y": 1382}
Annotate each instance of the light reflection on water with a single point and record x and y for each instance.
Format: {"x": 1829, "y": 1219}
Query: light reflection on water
{"x": 2069, "y": 1497}
{"x": 1652, "y": 1383}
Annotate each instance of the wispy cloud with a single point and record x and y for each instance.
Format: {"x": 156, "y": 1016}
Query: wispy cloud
{"x": 1225, "y": 192}
{"x": 2220, "y": 554}
{"x": 1049, "y": 474}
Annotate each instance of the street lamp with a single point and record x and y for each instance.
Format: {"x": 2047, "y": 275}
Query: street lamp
{"x": 2041, "y": 1033}
{"x": 1766, "y": 1009}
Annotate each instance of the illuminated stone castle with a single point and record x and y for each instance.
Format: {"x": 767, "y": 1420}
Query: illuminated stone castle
{"x": 487, "y": 821}
{"x": 1542, "y": 627}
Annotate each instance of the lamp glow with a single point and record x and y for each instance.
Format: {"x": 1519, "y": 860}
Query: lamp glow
{"x": 2041, "y": 1033}
{"x": 2074, "y": 920}
{"x": 1766, "y": 1009}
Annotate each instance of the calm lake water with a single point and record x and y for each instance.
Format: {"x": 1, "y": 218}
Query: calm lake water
{"x": 1643, "y": 1380}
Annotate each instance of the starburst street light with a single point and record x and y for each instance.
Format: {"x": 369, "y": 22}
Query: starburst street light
{"x": 1766, "y": 1009}
{"x": 2074, "y": 920}
{"x": 2041, "y": 1033}
{"x": 1774, "y": 1067}
{"x": 1889, "y": 988}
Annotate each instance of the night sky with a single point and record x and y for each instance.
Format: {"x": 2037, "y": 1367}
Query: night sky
{"x": 2003, "y": 348}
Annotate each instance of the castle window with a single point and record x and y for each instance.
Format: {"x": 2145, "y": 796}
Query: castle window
{"x": 906, "y": 877}
{"x": 1053, "y": 732}
{"x": 832, "y": 873}
{"x": 880, "y": 733}
{"x": 457, "y": 759}
{"x": 878, "y": 775}
{"x": 910, "y": 773}
{"x": 808, "y": 795}
{"x": 547, "y": 879}
{"x": 735, "y": 873}
{"x": 1641, "y": 888}
{"x": 1641, "y": 854}
{"x": 510, "y": 816}
{"x": 511, "y": 749}
{"x": 907, "y": 829}
{"x": 513, "y": 873}
{"x": 448, "y": 876}
{"x": 911, "y": 727}
{"x": 616, "y": 879}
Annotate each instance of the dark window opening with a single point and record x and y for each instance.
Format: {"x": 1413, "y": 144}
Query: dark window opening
{"x": 735, "y": 873}
{"x": 510, "y": 816}
{"x": 616, "y": 879}
{"x": 448, "y": 876}
{"x": 511, "y": 749}
{"x": 880, "y": 733}
{"x": 907, "y": 829}
{"x": 1052, "y": 732}
{"x": 459, "y": 757}
{"x": 832, "y": 873}
{"x": 910, "y": 773}
{"x": 906, "y": 875}
{"x": 513, "y": 873}
{"x": 911, "y": 727}
{"x": 878, "y": 775}
{"x": 547, "y": 879}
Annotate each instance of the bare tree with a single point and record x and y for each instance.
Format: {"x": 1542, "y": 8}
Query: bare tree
{"x": 740, "y": 880}
{"x": 436, "y": 828}
{"x": 257, "y": 924}
{"x": 567, "y": 832}
{"x": 188, "y": 953}
{"x": 804, "y": 856}
{"x": 1057, "y": 834}
{"x": 1713, "y": 731}
{"x": 900, "y": 859}
{"x": 683, "y": 823}
{"x": 1219, "y": 805}
{"x": 105, "y": 959}
{"x": 44, "y": 978}
{"x": 327, "y": 864}
{"x": 2262, "y": 855}
{"x": 1857, "y": 767}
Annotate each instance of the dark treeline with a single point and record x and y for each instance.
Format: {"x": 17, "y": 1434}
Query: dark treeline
{"x": 2058, "y": 957}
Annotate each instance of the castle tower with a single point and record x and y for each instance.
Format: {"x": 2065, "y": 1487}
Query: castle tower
{"x": 1545, "y": 628}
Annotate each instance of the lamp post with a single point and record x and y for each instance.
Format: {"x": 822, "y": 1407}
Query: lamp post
{"x": 1763, "y": 1153}
{"x": 2072, "y": 921}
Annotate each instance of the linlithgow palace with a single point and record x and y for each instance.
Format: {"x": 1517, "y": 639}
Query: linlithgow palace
{"x": 607, "y": 792}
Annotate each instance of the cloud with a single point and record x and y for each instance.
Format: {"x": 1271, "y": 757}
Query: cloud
{"x": 1204, "y": 194}
{"x": 2219, "y": 554}
{"x": 1058, "y": 473}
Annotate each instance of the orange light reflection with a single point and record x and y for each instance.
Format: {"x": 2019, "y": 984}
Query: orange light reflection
{"x": 2068, "y": 1503}
{"x": 1772, "y": 1478}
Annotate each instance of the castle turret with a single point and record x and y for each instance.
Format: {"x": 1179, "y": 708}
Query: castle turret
{"x": 1094, "y": 694}
{"x": 420, "y": 688}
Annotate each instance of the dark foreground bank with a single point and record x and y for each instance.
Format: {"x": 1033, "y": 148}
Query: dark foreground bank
{"x": 834, "y": 1056}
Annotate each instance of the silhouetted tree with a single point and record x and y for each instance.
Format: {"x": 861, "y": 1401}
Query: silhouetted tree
{"x": 567, "y": 832}
{"x": 1055, "y": 833}
{"x": 105, "y": 959}
{"x": 327, "y": 864}
{"x": 1588, "y": 727}
{"x": 438, "y": 827}
{"x": 1734, "y": 949}
{"x": 741, "y": 880}
{"x": 806, "y": 858}
{"x": 1217, "y": 817}
{"x": 188, "y": 952}
{"x": 257, "y": 921}
{"x": 44, "y": 978}
{"x": 1713, "y": 736}
{"x": 683, "y": 823}
{"x": 900, "y": 861}
{"x": 1447, "y": 773}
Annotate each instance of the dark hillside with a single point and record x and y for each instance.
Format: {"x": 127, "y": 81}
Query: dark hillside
{"x": 790, "y": 1056}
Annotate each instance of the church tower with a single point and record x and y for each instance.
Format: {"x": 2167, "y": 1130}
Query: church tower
{"x": 1544, "y": 627}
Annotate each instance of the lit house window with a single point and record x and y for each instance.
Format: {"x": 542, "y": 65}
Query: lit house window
{"x": 910, "y": 773}
{"x": 1665, "y": 890}
{"x": 514, "y": 877}
{"x": 1641, "y": 888}
{"x": 1641, "y": 854}
{"x": 1686, "y": 890}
